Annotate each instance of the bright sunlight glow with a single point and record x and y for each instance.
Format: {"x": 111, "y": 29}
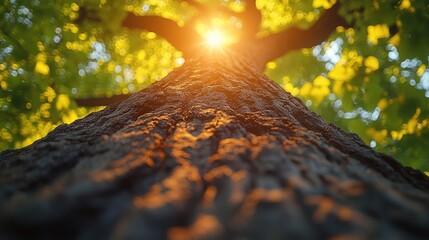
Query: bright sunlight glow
{"x": 215, "y": 38}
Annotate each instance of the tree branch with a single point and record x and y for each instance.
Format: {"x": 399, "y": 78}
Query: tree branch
{"x": 279, "y": 44}
{"x": 251, "y": 18}
{"x": 182, "y": 38}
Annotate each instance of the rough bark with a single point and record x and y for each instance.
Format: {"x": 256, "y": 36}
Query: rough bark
{"x": 215, "y": 150}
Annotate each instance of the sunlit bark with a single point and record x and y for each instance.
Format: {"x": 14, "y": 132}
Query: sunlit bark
{"x": 215, "y": 150}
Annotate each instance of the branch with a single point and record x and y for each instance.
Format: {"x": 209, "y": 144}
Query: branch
{"x": 182, "y": 38}
{"x": 101, "y": 101}
{"x": 251, "y": 20}
{"x": 276, "y": 45}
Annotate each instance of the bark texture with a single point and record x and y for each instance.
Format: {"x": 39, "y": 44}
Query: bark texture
{"x": 215, "y": 150}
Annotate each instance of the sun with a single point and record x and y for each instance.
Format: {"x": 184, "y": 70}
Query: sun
{"x": 215, "y": 38}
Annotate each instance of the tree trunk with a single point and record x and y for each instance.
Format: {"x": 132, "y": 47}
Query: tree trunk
{"x": 215, "y": 150}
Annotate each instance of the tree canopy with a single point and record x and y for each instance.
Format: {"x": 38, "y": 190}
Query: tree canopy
{"x": 369, "y": 76}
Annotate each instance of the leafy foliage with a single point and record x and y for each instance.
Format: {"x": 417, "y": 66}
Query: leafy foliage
{"x": 371, "y": 79}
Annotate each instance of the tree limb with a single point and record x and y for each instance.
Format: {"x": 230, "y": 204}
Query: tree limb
{"x": 279, "y": 44}
{"x": 251, "y": 18}
{"x": 180, "y": 37}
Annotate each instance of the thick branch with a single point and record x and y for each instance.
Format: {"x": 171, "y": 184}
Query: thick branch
{"x": 279, "y": 44}
{"x": 180, "y": 37}
{"x": 251, "y": 19}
